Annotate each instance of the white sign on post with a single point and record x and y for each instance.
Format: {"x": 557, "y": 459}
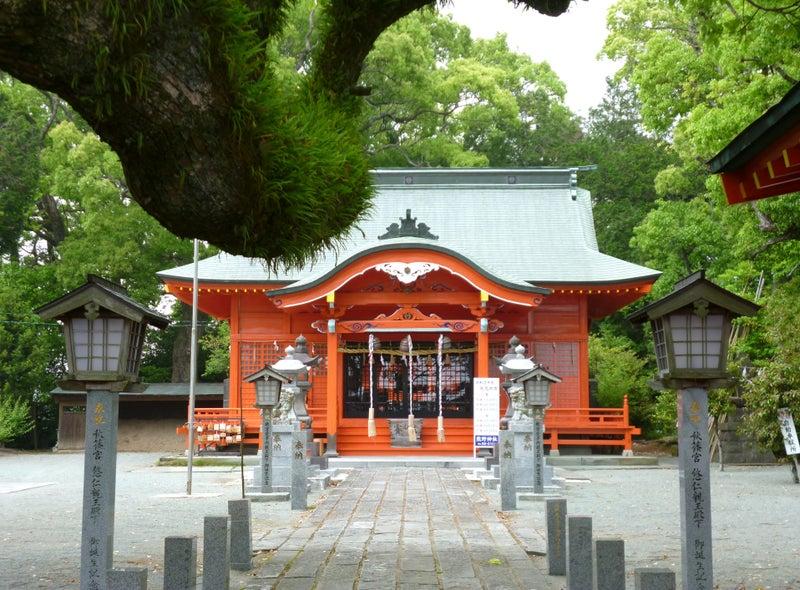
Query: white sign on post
{"x": 789, "y": 432}
{"x": 486, "y": 411}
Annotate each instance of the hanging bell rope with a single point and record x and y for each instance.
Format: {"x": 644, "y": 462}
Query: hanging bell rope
{"x": 440, "y": 420}
{"x": 372, "y": 431}
{"x": 412, "y": 431}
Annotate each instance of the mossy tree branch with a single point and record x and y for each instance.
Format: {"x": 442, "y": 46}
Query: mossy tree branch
{"x": 214, "y": 144}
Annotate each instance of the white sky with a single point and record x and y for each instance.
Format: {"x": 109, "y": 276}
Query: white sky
{"x": 569, "y": 43}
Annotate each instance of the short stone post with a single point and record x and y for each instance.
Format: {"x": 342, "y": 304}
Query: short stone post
{"x": 99, "y": 483}
{"x": 180, "y": 563}
{"x": 579, "y": 553}
{"x": 129, "y": 578}
{"x": 695, "y": 489}
{"x": 241, "y": 539}
{"x": 216, "y": 553}
{"x": 299, "y": 493}
{"x": 556, "y": 536}
{"x": 653, "y": 578}
{"x": 609, "y": 564}
{"x": 508, "y": 472}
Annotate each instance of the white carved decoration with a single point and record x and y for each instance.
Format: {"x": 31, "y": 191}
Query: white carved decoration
{"x": 407, "y": 272}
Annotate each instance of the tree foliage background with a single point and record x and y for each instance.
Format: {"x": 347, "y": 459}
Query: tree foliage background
{"x": 694, "y": 73}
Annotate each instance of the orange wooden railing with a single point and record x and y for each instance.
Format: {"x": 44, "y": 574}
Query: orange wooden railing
{"x": 563, "y": 426}
{"x": 590, "y": 427}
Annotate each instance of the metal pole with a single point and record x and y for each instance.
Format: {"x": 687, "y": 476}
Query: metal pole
{"x": 99, "y": 486}
{"x": 192, "y": 372}
{"x": 695, "y": 489}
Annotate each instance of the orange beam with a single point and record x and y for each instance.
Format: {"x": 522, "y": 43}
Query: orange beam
{"x": 449, "y": 298}
{"x": 445, "y": 261}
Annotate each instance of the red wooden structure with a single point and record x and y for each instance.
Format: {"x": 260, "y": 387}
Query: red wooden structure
{"x": 413, "y": 284}
{"x": 764, "y": 159}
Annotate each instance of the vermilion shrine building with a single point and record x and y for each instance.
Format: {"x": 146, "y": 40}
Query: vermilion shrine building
{"x": 479, "y": 255}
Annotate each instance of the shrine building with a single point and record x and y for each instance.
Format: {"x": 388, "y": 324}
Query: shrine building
{"x": 477, "y": 255}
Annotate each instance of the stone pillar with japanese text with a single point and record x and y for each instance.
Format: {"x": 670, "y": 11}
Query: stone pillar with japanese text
{"x": 99, "y": 484}
{"x": 695, "y": 489}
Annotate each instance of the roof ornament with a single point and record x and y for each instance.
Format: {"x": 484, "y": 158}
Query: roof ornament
{"x": 408, "y": 228}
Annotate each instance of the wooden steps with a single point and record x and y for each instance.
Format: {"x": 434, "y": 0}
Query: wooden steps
{"x": 352, "y": 439}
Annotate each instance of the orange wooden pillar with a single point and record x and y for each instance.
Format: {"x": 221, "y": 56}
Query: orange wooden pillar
{"x": 482, "y": 368}
{"x": 332, "y": 395}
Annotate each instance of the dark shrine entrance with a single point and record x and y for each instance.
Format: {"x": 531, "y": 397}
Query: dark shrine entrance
{"x": 390, "y": 375}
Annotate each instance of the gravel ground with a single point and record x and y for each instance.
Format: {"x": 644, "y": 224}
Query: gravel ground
{"x": 755, "y": 520}
{"x": 40, "y": 537}
{"x": 756, "y": 517}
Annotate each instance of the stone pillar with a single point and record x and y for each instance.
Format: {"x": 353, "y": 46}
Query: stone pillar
{"x": 241, "y": 538}
{"x": 609, "y": 564}
{"x": 266, "y": 448}
{"x": 129, "y": 578}
{"x": 99, "y": 483}
{"x": 653, "y": 578}
{"x": 180, "y": 563}
{"x": 538, "y": 451}
{"x": 695, "y": 489}
{"x": 523, "y": 452}
{"x": 579, "y": 553}
{"x": 299, "y": 491}
{"x": 508, "y": 469}
{"x": 216, "y": 553}
{"x": 556, "y": 536}
{"x": 281, "y": 455}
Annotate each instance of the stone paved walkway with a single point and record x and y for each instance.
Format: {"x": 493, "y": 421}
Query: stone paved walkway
{"x": 400, "y": 528}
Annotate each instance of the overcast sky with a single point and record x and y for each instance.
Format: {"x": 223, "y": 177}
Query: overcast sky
{"x": 569, "y": 43}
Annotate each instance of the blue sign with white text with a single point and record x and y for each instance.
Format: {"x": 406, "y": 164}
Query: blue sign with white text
{"x": 486, "y": 440}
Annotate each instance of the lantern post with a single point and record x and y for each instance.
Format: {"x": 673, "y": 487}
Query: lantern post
{"x": 537, "y": 384}
{"x": 268, "y": 384}
{"x": 691, "y": 329}
{"x": 104, "y": 330}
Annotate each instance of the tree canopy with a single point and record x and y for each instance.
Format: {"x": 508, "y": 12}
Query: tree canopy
{"x": 215, "y": 140}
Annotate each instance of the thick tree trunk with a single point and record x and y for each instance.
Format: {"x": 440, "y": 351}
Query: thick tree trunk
{"x": 181, "y": 347}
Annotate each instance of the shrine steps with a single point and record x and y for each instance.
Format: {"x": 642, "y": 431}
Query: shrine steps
{"x": 352, "y": 439}
{"x": 431, "y": 461}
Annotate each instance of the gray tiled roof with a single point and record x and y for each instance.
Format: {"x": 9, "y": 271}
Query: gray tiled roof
{"x": 537, "y": 230}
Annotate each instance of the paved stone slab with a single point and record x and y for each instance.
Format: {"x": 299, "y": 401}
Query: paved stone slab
{"x": 403, "y": 528}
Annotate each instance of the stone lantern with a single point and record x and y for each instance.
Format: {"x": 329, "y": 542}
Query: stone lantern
{"x": 512, "y": 364}
{"x": 536, "y": 383}
{"x": 691, "y": 326}
{"x": 104, "y": 330}
{"x": 268, "y": 383}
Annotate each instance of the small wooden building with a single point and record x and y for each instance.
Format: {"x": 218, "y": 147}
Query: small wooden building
{"x": 476, "y": 254}
{"x": 148, "y": 417}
